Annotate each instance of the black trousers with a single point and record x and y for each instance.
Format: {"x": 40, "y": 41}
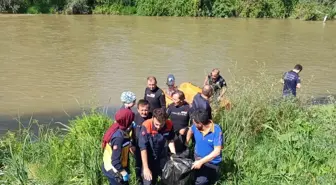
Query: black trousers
{"x": 207, "y": 174}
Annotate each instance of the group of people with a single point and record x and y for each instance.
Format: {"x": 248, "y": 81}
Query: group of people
{"x": 158, "y": 132}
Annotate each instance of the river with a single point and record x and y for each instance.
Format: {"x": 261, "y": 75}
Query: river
{"x": 52, "y": 64}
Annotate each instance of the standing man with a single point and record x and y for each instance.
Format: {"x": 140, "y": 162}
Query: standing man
{"x": 155, "y": 142}
{"x": 154, "y": 95}
{"x": 217, "y": 82}
{"x": 291, "y": 81}
{"x": 171, "y": 85}
{"x": 208, "y": 147}
{"x": 141, "y": 116}
{"x": 179, "y": 114}
{"x": 201, "y": 100}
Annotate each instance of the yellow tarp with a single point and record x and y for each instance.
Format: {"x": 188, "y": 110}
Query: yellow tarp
{"x": 190, "y": 90}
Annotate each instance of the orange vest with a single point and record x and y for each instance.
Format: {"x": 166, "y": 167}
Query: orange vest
{"x": 148, "y": 124}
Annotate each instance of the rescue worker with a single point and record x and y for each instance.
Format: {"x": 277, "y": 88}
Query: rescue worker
{"x": 291, "y": 81}
{"x": 179, "y": 113}
{"x": 217, "y": 82}
{"x": 202, "y": 100}
{"x": 128, "y": 99}
{"x": 154, "y": 95}
{"x": 142, "y": 115}
{"x": 157, "y": 136}
{"x": 208, "y": 139}
{"x": 116, "y": 144}
{"x": 171, "y": 85}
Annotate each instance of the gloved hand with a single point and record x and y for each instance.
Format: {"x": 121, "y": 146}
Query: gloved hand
{"x": 124, "y": 176}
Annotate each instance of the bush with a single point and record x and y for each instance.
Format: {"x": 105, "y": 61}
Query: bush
{"x": 77, "y": 7}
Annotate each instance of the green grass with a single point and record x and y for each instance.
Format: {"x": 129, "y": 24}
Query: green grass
{"x": 267, "y": 141}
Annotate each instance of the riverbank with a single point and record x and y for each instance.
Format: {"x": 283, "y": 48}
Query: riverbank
{"x": 267, "y": 141}
{"x": 302, "y": 9}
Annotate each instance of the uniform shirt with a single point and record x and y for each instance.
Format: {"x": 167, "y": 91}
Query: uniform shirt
{"x": 200, "y": 102}
{"x": 206, "y": 142}
{"x": 156, "y": 98}
{"x": 155, "y": 141}
{"x": 291, "y": 79}
{"x": 116, "y": 152}
{"x": 138, "y": 120}
{"x": 218, "y": 84}
{"x": 179, "y": 115}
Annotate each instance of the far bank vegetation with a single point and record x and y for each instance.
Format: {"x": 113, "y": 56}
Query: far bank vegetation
{"x": 297, "y": 9}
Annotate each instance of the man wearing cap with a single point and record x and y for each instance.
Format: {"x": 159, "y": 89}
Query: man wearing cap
{"x": 171, "y": 85}
{"x": 128, "y": 99}
{"x": 154, "y": 95}
{"x": 217, "y": 82}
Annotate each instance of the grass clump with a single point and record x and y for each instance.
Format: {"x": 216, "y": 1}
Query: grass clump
{"x": 267, "y": 141}
{"x": 55, "y": 157}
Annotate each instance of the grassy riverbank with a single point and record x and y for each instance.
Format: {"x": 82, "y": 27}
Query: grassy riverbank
{"x": 267, "y": 142}
{"x": 298, "y": 9}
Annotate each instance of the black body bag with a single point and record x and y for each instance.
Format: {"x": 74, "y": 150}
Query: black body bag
{"x": 177, "y": 171}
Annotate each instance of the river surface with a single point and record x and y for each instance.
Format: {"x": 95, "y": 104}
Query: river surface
{"x": 51, "y": 65}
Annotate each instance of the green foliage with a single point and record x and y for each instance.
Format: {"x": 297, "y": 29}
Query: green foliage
{"x": 115, "y": 9}
{"x": 56, "y": 158}
{"x": 77, "y": 7}
{"x": 312, "y": 10}
{"x": 298, "y": 9}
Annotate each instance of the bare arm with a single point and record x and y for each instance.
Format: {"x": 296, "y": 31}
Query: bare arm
{"x": 205, "y": 80}
{"x": 189, "y": 135}
{"x": 222, "y": 92}
{"x": 146, "y": 171}
{"x": 144, "y": 159}
{"x": 298, "y": 83}
{"x": 216, "y": 152}
{"x": 171, "y": 146}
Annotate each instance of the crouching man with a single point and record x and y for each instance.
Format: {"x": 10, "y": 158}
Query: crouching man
{"x": 156, "y": 137}
{"x": 208, "y": 146}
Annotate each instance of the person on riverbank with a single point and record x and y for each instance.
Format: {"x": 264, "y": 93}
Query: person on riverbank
{"x": 155, "y": 142}
{"x": 116, "y": 144}
{"x": 208, "y": 139}
{"x": 154, "y": 95}
{"x": 171, "y": 85}
{"x": 217, "y": 82}
{"x": 291, "y": 81}
{"x": 179, "y": 113}
{"x": 141, "y": 116}
{"x": 128, "y": 99}
{"x": 202, "y": 100}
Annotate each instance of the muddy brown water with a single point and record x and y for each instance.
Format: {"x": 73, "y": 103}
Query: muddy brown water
{"x": 52, "y": 64}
